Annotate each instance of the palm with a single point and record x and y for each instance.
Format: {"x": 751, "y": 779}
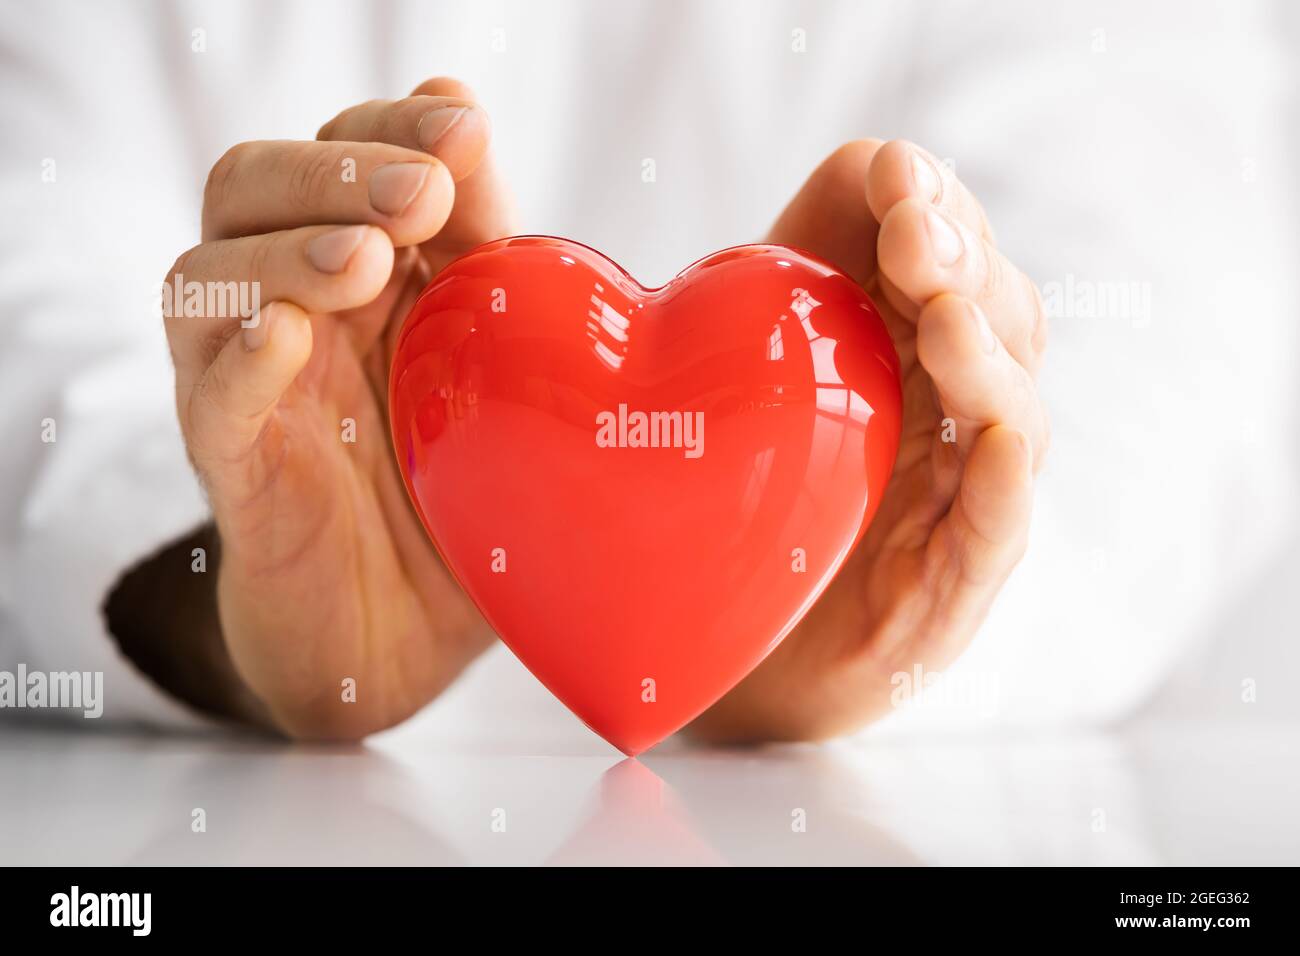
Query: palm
{"x": 369, "y": 593}
{"x": 881, "y": 604}
{"x": 372, "y": 600}
{"x": 884, "y": 585}
{"x": 945, "y": 534}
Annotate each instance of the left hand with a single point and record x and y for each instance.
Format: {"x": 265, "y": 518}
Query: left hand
{"x": 970, "y": 329}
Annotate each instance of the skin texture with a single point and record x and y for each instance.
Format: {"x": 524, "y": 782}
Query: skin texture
{"x": 324, "y": 571}
{"x": 955, "y": 517}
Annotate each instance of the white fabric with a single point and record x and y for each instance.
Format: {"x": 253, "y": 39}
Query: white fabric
{"x": 1110, "y": 142}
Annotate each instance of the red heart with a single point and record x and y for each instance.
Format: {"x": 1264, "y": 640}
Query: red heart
{"x": 640, "y": 567}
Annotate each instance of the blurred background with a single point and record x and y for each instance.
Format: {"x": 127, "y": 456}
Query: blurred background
{"x": 1137, "y": 160}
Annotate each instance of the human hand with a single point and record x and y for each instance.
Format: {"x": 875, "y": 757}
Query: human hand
{"x": 325, "y": 572}
{"x": 970, "y": 329}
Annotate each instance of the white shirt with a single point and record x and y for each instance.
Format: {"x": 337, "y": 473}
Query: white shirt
{"x": 1110, "y": 143}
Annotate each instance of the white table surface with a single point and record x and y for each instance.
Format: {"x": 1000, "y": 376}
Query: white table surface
{"x": 1160, "y": 792}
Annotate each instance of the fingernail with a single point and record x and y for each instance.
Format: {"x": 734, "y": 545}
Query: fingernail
{"x": 330, "y": 251}
{"x": 988, "y": 341}
{"x": 258, "y": 329}
{"x": 945, "y": 241}
{"x": 394, "y": 186}
{"x": 925, "y": 177}
{"x": 436, "y": 124}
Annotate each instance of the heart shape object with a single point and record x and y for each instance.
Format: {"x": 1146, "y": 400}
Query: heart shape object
{"x": 643, "y": 490}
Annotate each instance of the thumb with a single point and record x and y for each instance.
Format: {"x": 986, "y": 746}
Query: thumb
{"x": 829, "y": 216}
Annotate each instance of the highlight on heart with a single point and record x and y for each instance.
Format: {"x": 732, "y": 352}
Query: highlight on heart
{"x": 628, "y": 555}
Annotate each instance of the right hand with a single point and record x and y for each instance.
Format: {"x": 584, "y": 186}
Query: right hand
{"x": 325, "y": 571}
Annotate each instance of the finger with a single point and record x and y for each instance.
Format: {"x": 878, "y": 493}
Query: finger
{"x": 829, "y": 216}
{"x": 262, "y": 187}
{"x": 453, "y": 129}
{"x": 925, "y": 253}
{"x": 902, "y": 170}
{"x": 318, "y": 268}
{"x": 225, "y": 410}
{"x": 978, "y": 381}
{"x": 484, "y": 209}
{"x": 975, "y": 545}
{"x": 986, "y": 530}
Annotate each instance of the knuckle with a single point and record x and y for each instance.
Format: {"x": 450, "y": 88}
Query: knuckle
{"x": 223, "y": 176}
{"x": 377, "y": 112}
{"x": 167, "y": 292}
{"x": 181, "y": 265}
{"x": 215, "y": 384}
{"x": 312, "y": 176}
{"x": 260, "y": 258}
{"x": 210, "y": 346}
{"x": 331, "y": 128}
{"x": 217, "y": 392}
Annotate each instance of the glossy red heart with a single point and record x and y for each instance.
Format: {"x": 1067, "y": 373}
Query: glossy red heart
{"x": 643, "y": 490}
